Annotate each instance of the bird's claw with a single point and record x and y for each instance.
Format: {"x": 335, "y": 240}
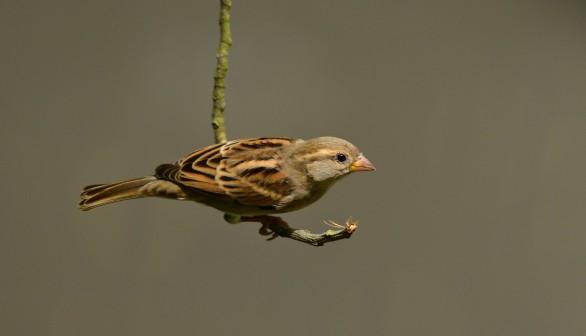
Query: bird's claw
{"x": 271, "y": 225}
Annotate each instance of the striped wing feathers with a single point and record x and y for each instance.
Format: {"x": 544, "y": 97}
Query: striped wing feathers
{"x": 248, "y": 171}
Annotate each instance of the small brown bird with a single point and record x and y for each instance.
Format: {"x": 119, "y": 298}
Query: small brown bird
{"x": 249, "y": 177}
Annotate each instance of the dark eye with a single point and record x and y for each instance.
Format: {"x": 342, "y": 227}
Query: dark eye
{"x": 340, "y": 157}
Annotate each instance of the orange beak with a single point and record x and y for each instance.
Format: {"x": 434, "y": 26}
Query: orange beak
{"x": 362, "y": 165}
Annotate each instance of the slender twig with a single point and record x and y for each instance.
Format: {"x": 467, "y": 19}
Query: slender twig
{"x": 220, "y": 74}
{"x": 277, "y": 227}
{"x": 317, "y": 239}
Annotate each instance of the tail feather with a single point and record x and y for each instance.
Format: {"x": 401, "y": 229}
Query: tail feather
{"x": 101, "y": 194}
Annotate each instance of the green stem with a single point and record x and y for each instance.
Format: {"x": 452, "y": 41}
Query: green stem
{"x": 218, "y": 124}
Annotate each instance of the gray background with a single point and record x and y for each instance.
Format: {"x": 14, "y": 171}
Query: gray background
{"x": 473, "y": 224}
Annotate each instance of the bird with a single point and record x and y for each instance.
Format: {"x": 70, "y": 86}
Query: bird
{"x": 246, "y": 179}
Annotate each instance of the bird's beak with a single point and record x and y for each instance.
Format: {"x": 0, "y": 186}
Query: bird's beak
{"x": 362, "y": 165}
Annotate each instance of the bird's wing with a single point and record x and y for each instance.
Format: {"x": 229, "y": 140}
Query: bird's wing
{"x": 248, "y": 171}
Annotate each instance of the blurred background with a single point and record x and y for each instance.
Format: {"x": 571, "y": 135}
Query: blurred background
{"x": 473, "y": 112}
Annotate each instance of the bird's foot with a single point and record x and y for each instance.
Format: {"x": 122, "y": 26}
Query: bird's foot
{"x": 271, "y": 225}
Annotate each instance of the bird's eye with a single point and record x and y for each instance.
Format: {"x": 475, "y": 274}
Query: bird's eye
{"x": 340, "y": 157}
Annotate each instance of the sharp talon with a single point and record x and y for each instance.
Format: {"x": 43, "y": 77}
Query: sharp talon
{"x": 275, "y": 235}
{"x": 268, "y": 224}
{"x": 265, "y": 230}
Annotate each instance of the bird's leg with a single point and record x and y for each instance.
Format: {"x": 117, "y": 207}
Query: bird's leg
{"x": 271, "y": 225}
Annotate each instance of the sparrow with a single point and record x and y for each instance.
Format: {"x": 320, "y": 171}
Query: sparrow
{"x": 246, "y": 179}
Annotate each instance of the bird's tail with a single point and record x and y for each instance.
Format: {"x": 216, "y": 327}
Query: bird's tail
{"x": 101, "y": 194}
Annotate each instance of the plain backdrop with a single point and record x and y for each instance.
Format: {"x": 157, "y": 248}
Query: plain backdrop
{"x": 474, "y": 113}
